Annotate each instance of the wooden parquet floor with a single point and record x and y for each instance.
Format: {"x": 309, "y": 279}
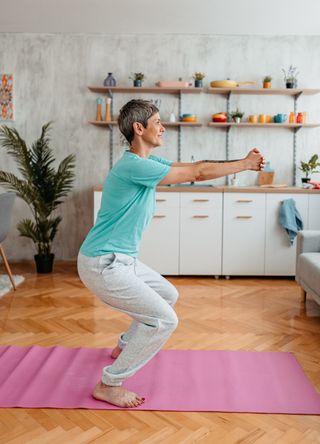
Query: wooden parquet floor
{"x": 236, "y": 314}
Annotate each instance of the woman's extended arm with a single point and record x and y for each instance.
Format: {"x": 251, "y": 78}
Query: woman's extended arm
{"x": 211, "y": 169}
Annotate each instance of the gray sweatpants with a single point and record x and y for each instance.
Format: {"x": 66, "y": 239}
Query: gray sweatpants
{"x": 125, "y": 283}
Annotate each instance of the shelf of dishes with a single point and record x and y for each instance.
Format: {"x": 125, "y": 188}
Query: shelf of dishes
{"x": 249, "y": 124}
{"x": 264, "y": 91}
{"x": 146, "y": 89}
{"x": 220, "y": 124}
{"x": 210, "y": 90}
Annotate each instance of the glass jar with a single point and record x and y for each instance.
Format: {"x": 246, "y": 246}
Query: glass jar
{"x": 292, "y": 117}
{"x": 300, "y": 118}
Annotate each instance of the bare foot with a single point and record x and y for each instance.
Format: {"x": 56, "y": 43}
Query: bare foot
{"x": 116, "y": 352}
{"x": 116, "y": 395}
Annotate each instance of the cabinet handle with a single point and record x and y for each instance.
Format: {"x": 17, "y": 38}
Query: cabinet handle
{"x": 244, "y": 217}
{"x": 159, "y": 216}
{"x": 200, "y": 216}
{"x": 244, "y": 200}
{"x": 161, "y": 200}
{"x": 200, "y": 200}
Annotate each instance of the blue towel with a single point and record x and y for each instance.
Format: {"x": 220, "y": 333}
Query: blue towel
{"x": 290, "y": 219}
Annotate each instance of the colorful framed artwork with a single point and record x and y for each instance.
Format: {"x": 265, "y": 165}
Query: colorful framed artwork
{"x": 6, "y": 97}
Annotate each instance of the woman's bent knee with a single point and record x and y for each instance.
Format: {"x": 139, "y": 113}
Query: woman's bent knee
{"x": 171, "y": 294}
{"x": 170, "y": 322}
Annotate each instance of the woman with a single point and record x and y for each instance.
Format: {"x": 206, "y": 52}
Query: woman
{"x": 107, "y": 261}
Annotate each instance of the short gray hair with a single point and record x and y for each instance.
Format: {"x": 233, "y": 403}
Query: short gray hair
{"x": 137, "y": 110}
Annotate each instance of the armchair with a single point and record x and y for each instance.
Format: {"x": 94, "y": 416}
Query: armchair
{"x": 308, "y": 263}
{"x": 6, "y": 204}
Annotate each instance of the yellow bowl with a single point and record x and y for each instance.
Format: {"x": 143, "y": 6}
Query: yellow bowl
{"x": 189, "y": 119}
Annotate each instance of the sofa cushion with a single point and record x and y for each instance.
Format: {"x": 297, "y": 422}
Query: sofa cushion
{"x": 309, "y": 270}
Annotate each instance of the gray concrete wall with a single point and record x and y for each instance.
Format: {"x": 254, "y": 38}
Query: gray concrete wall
{"x": 52, "y": 72}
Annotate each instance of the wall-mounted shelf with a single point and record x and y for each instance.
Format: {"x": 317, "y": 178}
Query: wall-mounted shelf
{"x": 227, "y": 92}
{"x": 144, "y": 89}
{"x": 166, "y": 124}
{"x": 263, "y": 125}
{"x": 295, "y": 93}
{"x": 264, "y": 91}
{"x": 103, "y": 123}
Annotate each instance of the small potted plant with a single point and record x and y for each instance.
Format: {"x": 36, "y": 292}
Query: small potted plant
{"x": 309, "y": 167}
{"x": 290, "y": 77}
{"x": 237, "y": 115}
{"x": 137, "y": 78}
{"x": 267, "y": 81}
{"x": 198, "y": 79}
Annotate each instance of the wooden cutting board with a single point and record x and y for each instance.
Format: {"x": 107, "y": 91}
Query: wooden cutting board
{"x": 265, "y": 177}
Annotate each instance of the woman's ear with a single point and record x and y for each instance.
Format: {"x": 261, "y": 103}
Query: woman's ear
{"x": 138, "y": 128}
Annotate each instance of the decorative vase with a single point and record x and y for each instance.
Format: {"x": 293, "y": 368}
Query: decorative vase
{"x": 137, "y": 83}
{"x": 109, "y": 80}
{"x": 198, "y": 83}
{"x": 44, "y": 263}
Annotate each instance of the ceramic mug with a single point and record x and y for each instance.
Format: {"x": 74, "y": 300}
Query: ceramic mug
{"x": 280, "y": 118}
{"x": 253, "y": 119}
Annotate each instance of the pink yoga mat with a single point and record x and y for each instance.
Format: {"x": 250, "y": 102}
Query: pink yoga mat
{"x": 185, "y": 380}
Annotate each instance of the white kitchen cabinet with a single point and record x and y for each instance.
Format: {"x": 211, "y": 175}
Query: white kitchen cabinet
{"x": 200, "y": 233}
{"x": 214, "y": 233}
{"x": 280, "y": 255}
{"x": 243, "y": 234}
{"x": 314, "y": 212}
{"x": 159, "y": 247}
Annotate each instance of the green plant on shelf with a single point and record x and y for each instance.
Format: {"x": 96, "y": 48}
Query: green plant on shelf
{"x": 311, "y": 166}
{"x": 237, "y": 115}
{"x": 137, "y": 76}
{"x": 290, "y": 77}
{"x": 267, "y": 79}
{"x": 199, "y": 75}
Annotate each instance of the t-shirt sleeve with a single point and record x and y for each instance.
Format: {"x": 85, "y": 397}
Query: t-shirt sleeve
{"x": 148, "y": 172}
{"x": 161, "y": 160}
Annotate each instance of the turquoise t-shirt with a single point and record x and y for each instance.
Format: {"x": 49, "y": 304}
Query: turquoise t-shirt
{"x": 127, "y": 205}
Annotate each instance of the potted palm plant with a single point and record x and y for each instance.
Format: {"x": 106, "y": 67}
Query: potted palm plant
{"x": 41, "y": 187}
{"x": 309, "y": 167}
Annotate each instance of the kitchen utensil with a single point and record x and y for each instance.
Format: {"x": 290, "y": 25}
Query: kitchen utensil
{"x": 229, "y": 83}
